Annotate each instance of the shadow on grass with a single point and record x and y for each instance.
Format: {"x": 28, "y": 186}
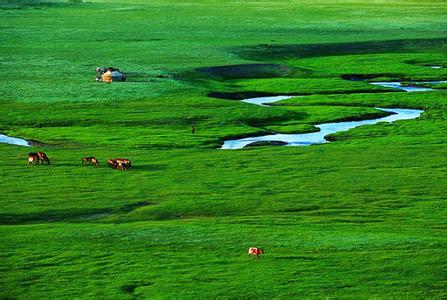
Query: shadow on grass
{"x": 131, "y": 287}
{"x": 268, "y": 52}
{"x": 147, "y": 168}
{"x": 252, "y": 94}
{"x": 250, "y": 71}
{"x": 295, "y": 257}
{"x": 70, "y": 215}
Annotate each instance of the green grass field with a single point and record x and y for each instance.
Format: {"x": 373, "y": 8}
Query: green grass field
{"x": 360, "y": 217}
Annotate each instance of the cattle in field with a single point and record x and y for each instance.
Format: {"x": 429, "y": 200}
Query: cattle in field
{"x": 90, "y": 160}
{"x": 43, "y": 157}
{"x": 256, "y": 252}
{"x": 33, "y": 158}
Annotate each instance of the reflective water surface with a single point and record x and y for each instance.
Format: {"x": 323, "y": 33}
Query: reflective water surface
{"x": 13, "y": 141}
{"x": 305, "y": 139}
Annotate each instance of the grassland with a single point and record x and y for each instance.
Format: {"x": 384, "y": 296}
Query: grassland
{"x": 360, "y": 217}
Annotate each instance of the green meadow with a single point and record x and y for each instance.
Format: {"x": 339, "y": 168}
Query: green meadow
{"x": 360, "y": 217}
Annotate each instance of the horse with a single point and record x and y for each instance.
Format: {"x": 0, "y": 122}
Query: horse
{"x": 119, "y": 163}
{"x": 124, "y": 161}
{"x": 256, "y": 252}
{"x": 112, "y": 163}
{"x": 33, "y": 158}
{"x": 43, "y": 157}
{"x": 90, "y": 160}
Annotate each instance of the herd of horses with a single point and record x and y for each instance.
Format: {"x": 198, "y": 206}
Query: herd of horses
{"x": 117, "y": 163}
{"x": 37, "y": 158}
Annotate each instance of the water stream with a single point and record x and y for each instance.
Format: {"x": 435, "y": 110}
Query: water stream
{"x": 305, "y": 139}
{"x": 407, "y": 88}
{"x": 13, "y": 141}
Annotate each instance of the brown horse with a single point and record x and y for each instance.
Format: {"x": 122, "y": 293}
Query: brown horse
{"x": 112, "y": 163}
{"x": 119, "y": 163}
{"x": 121, "y": 166}
{"x": 256, "y": 252}
{"x": 124, "y": 161}
{"x": 33, "y": 158}
{"x": 90, "y": 160}
{"x": 43, "y": 157}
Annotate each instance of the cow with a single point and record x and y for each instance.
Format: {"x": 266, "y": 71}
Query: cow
{"x": 256, "y": 252}
{"x": 43, "y": 157}
{"x": 33, "y": 158}
{"x": 90, "y": 160}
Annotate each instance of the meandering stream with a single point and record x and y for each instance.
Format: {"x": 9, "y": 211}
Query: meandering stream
{"x": 13, "y": 141}
{"x": 407, "y": 88}
{"x": 303, "y": 139}
{"x": 262, "y": 101}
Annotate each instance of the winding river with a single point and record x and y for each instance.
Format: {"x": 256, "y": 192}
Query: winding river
{"x": 305, "y": 139}
{"x": 13, "y": 141}
{"x": 263, "y": 101}
{"x": 399, "y": 86}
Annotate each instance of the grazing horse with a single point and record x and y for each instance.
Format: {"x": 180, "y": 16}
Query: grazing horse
{"x": 256, "y": 252}
{"x": 33, "y": 158}
{"x": 124, "y": 161}
{"x": 43, "y": 157}
{"x": 90, "y": 160}
{"x": 119, "y": 163}
{"x": 112, "y": 163}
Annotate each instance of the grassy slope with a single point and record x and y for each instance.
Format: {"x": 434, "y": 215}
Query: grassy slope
{"x": 361, "y": 217}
